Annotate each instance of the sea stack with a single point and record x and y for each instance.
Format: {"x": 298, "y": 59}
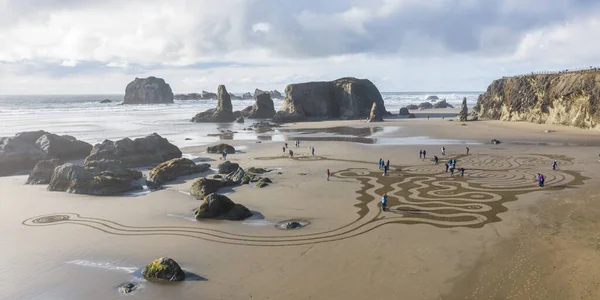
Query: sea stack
{"x": 264, "y": 107}
{"x": 149, "y": 90}
{"x": 222, "y": 114}
{"x": 464, "y": 111}
{"x": 344, "y": 98}
{"x": 564, "y": 98}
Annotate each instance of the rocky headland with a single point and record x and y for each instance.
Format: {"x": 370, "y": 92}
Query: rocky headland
{"x": 570, "y": 99}
{"x": 149, "y": 90}
{"x": 344, "y": 98}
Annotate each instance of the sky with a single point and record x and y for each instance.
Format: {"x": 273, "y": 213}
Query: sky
{"x": 98, "y": 47}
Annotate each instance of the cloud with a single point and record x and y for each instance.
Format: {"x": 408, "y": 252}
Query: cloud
{"x": 266, "y": 41}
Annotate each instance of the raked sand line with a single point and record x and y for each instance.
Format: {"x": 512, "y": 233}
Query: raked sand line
{"x": 423, "y": 194}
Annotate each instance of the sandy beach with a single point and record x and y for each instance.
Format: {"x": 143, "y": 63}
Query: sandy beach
{"x": 492, "y": 234}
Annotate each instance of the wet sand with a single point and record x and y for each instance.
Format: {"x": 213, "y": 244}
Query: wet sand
{"x": 490, "y": 235}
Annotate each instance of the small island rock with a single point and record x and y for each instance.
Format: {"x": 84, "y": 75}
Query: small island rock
{"x": 149, "y": 90}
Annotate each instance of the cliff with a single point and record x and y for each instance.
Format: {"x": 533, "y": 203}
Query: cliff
{"x": 570, "y": 99}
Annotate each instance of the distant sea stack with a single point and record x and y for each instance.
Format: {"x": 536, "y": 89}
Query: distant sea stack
{"x": 223, "y": 113}
{"x": 344, "y": 98}
{"x": 149, "y": 90}
{"x": 564, "y": 98}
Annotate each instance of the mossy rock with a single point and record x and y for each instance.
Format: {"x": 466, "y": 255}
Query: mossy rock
{"x": 254, "y": 170}
{"x": 220, "y": 148}
{"x": 246, "y": 179}
{"x": 163, "y": 268}
{"x": 204, "y": 187}
{"x": 261, "y": 184}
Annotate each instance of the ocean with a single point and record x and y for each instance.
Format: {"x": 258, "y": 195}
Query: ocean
{"x": 84, "y": 117}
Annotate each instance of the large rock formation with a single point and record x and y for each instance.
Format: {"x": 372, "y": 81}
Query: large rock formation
{"x": 464, "y": 111}
{"x": 23, "y": 151}
{"x": 263, "y": 108}
{"x": 375, "y": 115}
{"x": 219, "y": 206}
{"x": 163, "y": 268}
{"x": 227, "y": 167}
{"x": 149, "y": 90}
{"x": 571, "y": 99}
{"x": 222, "y": 114}
{"x": 42, "y": 172}
{"x": 442, "y": 104}
{"x": 172, "y": 169}
{"x": 150, "y": 150}
{"x": 426, "y": 105}
{"x": 345, "y": 98}
{"x": 205, "y": 186}
{"x": 80, "y": 180}
{"x": 220, "y": 148}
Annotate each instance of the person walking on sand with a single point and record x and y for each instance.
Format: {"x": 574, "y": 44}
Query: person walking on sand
{"x": 468, "y": 150}
{"x": 380, "y": 164}
{"x": 328, "y": 174}
{"x": 436, "y": 160}
{"x": 387, "y": 164}
{"x": 286, "y": 145}
{"x": 383, "y": 202}
{"x": 224, "y": 155}
{"x": 283, "y": 150}
{"x": 291, "y": 154}
{"x": 539, "y": 178}
{"x": 385, "y": 169}
{"x": 542, "y": 179}
{"x": 554, "y": 165}
{"x": 313, "y": 151}
{"x": 424, "y": 154}
{"x": 447, "y": 168}
{"x": 451, "y": 171}
{"x": 462, "y": 172}
{"x": 421, "y": 153}
{"x": 443, "y": 150}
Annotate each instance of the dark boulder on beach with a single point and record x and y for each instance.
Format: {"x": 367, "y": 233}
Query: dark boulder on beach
{"x": 24, "y": 150}
{"x": 220, "y": 148}
{"x": 149, "y": 90}
{"x": 150, "y": 150}
{"x": 206, "y": 186}
{"x": 171, "y": 169}
{"x": 263, "y": 108}
{"x": 412, "y": 107}
{"x": 432, "y": 98}
{"x": 426, "y": 105}
{"x": 263, "y": 182}
{"x": 75, "y": 179}
{"x": 344, "y": 98}
{"x": 236, "y": 176}
{"x": 223, "y": 113}
{"x": 163, "y": 268}
{"x": 442, "y": 104}
{"x": 227, "y": 167}
{"x": 106, "y": 101}
{"x": 219, "y": 206}
{"x": 403, "y": 111}
{"x": 42, "y": 172}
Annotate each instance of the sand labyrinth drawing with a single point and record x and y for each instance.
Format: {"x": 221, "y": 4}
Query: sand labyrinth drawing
{"x": 423, "y": 194}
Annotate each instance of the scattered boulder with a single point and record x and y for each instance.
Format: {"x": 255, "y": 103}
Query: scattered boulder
{"x": 150, "y": 150}
{"x": 163, "y": 268}
{"x": 464, "y": 111}
{"x": 106, "y": 101}
{"x": 432, "y": 98}
{"x": 240, "y": 120}
{"x": 236, "y": 176}
{"x": 227, "y": 167}
{"x": 223, "y": 113}
{"x": 23, "y": 151}
{"x": 263, "y": 108}
{"x": 375, "y": 116}
{"x": 254, "y": 170}
{"x": 219, "y": 206}
{"x": 42, "y": 172}
{"x": 495, "y": 142}
{"x": 345, "y": 98}
{"x": 149, "y": 90}
{"x": 205, "y": 186}
{"x": 442, "y": 104}
{"x": 79, "y": 180}
{"x": 412, "y": 107}
{"x": 128, "y": 288}
{"x": 172, "y": 169}
{"x": 403, "y": 111}
{"x": 426, "y": 105}
{"x": 263, "y": 182}
{"x": 220, "y": 148}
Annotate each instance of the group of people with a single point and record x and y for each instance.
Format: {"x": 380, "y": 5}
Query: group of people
{"x": 297, "y": 143}
{"x": 385, "y": 166}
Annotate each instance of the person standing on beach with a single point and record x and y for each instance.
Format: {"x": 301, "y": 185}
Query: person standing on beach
{"x": 443, "y": 150}
{"x": 421, "y": 153}
{"x": 383, "y": 202}
{"x": 451, "y": 171}
{"x": 387, "y": 164}
{"x": 286, "y": 145}
{"x": 313, "y": 151}
{"x": 291, "y": 154}
{"x": 447, "y": 168}
{"x": 385, "y": 169}
{"x": 468, "y": 150}
{"x": 283, "y": 150}
{"x": 554, "y": 165}
{"x": 424, "y": 154}
{"x": 436, "y": 160}
{"x": 539, "y": 178}
{"x": 380, "y": 163}
{"x": 224, "y": 155}
{"x": 462, "y": 172}
{"x": 328, "y": 174}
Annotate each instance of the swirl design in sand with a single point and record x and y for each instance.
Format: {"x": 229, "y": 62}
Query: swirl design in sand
{"x": 423, "y": 194}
